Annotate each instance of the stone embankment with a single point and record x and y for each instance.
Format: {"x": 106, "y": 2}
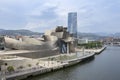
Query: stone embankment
{"x": 51, "y": 65}
{"x": 97, "y": 51}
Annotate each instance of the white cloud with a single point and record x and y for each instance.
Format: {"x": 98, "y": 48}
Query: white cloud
{"x": 32, "y": 25}
{"x": 46, "y": 14}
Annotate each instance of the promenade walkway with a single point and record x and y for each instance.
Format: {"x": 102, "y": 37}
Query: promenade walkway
{"x": 92, "y": 50}
{"x": 47, "y": 65}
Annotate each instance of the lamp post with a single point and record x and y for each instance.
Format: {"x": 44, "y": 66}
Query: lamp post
{"x": 2, "y": 72}
{"x": 83, "y": 51}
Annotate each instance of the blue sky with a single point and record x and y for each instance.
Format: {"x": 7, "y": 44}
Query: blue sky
{"x": 40, "y": 15}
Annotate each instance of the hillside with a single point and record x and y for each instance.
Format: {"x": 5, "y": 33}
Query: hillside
{"x": 18, "y": 32}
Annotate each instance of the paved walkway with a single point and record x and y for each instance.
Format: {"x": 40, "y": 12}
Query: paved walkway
{"x": 45, "y": 66}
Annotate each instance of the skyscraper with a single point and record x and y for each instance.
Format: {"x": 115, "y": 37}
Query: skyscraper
{"x": 72, "y": 23}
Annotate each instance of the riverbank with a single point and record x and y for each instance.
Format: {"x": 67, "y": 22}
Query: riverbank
{"x": 104, "y": 66}
{"x": 97, "y": 51}
{"x": 40, "y": 70}
{"x": 51, "y": 66}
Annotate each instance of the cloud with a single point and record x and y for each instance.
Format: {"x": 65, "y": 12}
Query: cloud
{"x": 40, "y": 15}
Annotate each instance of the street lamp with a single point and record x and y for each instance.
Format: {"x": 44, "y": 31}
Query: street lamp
{"x": 83, "y": 51}
{"x": 2, "y": 72}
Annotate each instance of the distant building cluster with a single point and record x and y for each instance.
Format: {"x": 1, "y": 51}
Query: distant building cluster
{"x": 83, "y": 41}
{"x": 112, "y": 41}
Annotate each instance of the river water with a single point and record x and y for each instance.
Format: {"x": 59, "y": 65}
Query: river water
{"x": 105, "y": 66}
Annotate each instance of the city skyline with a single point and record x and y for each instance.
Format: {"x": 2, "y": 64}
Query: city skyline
{"x": 94, "y": 16}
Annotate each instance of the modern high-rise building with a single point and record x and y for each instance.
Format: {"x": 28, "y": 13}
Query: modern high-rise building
{"x": 72, "y": 23}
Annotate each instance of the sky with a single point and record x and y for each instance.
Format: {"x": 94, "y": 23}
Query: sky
{"x": 41, "y": 15}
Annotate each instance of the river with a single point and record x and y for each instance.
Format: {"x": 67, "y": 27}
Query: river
{"x": 105, "y": 66}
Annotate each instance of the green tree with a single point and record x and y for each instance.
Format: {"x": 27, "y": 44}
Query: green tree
{"x": 10, "y": 68}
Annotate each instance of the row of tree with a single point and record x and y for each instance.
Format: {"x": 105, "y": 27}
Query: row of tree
{"x": 91, "y": 45}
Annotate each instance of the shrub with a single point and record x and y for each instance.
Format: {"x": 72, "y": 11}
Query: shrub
{"x": 21, "y": 67}
{"x": 29, "y": 65}
{"x": 37, "y": 63}
{"x": 10, "y": 68}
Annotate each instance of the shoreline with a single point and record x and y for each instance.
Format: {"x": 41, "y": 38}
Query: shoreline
{"x": 38, "y": 70}
{"x": 97, "y": 51}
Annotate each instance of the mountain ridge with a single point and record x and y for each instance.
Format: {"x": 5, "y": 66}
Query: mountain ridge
{"x": 26, "y": 32}
{"x": 18, "y": 32}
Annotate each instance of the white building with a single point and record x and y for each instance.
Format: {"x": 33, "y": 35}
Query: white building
{"x": 83, "y": 41}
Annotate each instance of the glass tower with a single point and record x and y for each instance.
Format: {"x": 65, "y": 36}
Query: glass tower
{"x": 72, "y": 23}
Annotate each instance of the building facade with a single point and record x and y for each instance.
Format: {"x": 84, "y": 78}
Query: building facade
{"x": 83, "y": 41}
{"x": 72, "y": 23}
